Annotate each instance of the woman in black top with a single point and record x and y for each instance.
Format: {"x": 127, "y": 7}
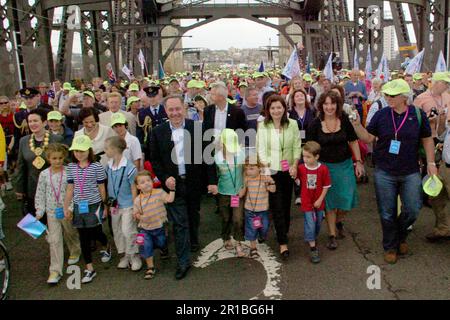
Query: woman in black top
{"x": 335, "y": 134}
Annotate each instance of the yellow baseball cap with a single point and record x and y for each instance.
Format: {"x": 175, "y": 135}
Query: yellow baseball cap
{"x": 192, "y": 84}
{"x": 133, "y": 87}
{"x": 89, "y": 93}
{"x": 258, "y": 75}
{"x": 54, "y": 115}
{"x": 243, "y": 84}
{"x": 441, "y": 76}
{"x": 230, "y": 139}
{"x": 73, "y": 92}
{"x": 118, "y": 118}
{"x": 132, "y": 100}
{"x": 396, "y": 87}
{"x": 417, "y": 76}
{"x": 199, "y": 84}
{"x": 67, "y": 86}
{"x": 432, "y": 186}
{"x": 81, "y": 143}
{"x": 307, "y": 77}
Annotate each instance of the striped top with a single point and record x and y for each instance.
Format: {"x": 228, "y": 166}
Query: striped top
{"x": 95, "y": 175}
{"x": 152, "y": 210}
{"x": 257, "y": 196}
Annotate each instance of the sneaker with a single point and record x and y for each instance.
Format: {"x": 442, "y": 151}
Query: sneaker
{"x": 106, "y": 255}
{"x": 165, "y": 254}
{"x": 261, "y": 240}
{"x": 410, "y": 228}
{"x": 124, "y": 262}
{"x": 2, "y": 265}
{"x": 390, "y": 256}
{"x": 136, "y": 262}
{"x": 340, "y": 234}
{"x": 53, "y": 278}
{"x": 9, "y": 186}
{"x": 73, "y": 260}
{"x": 403, "y": 249}
{"x": 434, "y": 237}
{"x": 88, "y": 276}
{"x": 332, "y": 244}
{"x": 314, "y": 255}
{"x": 298, "y": 201}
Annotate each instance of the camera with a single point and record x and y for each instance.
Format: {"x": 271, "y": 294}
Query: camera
{"x": 112, "y": 202}
{"x": 433, "y": 113}
{"x": 352, "y": 116}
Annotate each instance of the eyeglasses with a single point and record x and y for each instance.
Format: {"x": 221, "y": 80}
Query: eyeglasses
{"x": 4, "y": 102}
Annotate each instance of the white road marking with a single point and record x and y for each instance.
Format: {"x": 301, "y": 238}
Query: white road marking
{"x": 215, "y": 251}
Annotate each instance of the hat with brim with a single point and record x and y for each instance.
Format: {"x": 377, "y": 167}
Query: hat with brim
{"x": 89, "y": 93}
{"x": 199, "y": 84}
{"x": 152, "y": 91}
{"x": 396, "y": 87}
{"x": 81, "y": 143}
{"x": 28, "y": 93}
{"x": 172, "y": 80}
{"x": 133, "y": 87}
{"x": 118, "y": 118}
{"x": 417, "y": 76}
{"x": 432, "y": 186}
{"x": 243, "y": 84}
{"x": 230, "y": 140}
{"x": 441, "y": 76}
{"x": 258, "y": 75}
{"x": 192, "y": 84}
{"x": 73, "y": 92}
{"x": 132, "y": 100}
{"x": 67, "y": 86}
{"x": 54, "y": 115}
{"x": 201, "y": 98}
{"x": 307, "y": 77}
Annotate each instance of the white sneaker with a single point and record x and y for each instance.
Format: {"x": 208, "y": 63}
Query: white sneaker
{"x": 136, "y": 262}
{"x": 106, "y": 255}
{"x": 88, "y": 276}
{"x": 124, "y": 262}
{"x": 9, "y": 186}
{"x": 73, "y": 260}
{"x": 410, "y": 228}
{"x": 2, "y": 265}
{"x": 298, "y": 201}
{"x": 53, "y": 278}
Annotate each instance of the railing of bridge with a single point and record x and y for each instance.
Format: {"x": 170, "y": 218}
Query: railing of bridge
{"x": 286, "y": 4}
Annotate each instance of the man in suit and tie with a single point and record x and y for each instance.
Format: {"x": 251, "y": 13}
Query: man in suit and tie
{"x": 173, "y": 145}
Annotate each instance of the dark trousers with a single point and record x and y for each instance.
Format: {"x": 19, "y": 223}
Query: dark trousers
{"x": 192, "y": 200}
{"x": 280, "y": 205}
{"x": 177, "y": 213}
{"x": 232, "y": 218}
{"x": 87, "y": 236}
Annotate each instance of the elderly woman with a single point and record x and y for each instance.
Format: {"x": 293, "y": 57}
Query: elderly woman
{"x": 375, "y": 93}
{"x": 400, "y": 129}
{"x": 278, "y": 149}
{"x": 97, "y": 132}
{"x": 337, "y": 138}
{"x": 31, "y": 159}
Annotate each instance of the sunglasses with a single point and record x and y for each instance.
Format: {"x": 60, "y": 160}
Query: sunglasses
{"x": 4, "y": 102}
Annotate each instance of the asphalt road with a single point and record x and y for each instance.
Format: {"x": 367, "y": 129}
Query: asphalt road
{"x": 342, "y": 274}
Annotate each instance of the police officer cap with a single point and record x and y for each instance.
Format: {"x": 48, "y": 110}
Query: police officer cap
{"x": 28, "y": 93}
{"x": 152, "y": 91}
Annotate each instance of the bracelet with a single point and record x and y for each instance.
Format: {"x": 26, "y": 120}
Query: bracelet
{"x": 359, "y": 160}
{"x": 432, "y": 164}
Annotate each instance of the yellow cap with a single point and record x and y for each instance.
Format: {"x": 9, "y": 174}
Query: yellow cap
{"x": 67, "y": 86}
{"x": 307, "y": 77}
{"x": 131, "y": 100}
{"x": 73, "y": 92}
{"x": 192, "y": 84}
{"x": 417, "y": 76}
{"x": 54, "y": 115}
{"x": 432, "y": 186}
{"x": 81, "y": 143}
{"x": 258, "y": 75}
{"x": 89, "y": 93}
{"x": 230, "y": 139}
{"x": 441, "y": 76}
{"x": 243, "y": 84}
{"x": 133, "y": 87}
{"x": 118, "y": 118}
{"x": 396, "y": 87}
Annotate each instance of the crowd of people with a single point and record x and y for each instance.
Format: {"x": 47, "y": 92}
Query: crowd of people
{"x": 127, "y": 156}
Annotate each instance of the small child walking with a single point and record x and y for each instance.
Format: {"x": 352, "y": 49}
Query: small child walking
{"x": 86, "y": 187}
{"x": 49, "y": 199}
{"x": 256, "y": 191}
{"x": 149, "y": 209}
{"x": 315, "y": 181}
{"x": 121, "y": 173}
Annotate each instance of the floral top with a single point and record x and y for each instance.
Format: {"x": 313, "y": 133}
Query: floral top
{"x": 45, "y": 199}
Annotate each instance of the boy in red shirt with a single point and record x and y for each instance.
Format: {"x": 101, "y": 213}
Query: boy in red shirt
{"x": 315, "y": 181}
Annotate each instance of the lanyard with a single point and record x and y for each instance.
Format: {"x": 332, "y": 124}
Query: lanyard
{"x": 57, "y": 195}
{"x": 302, "y": 120}
{"x": 81, "y": 183}
{"x": 235, "y": 175}
{"x": 401, "y": 125}
{"x": 282, "y": 143}
{"x": 116, "y": 194}
{"x": 253, "y": 204}
{"x": 146, "y": 202}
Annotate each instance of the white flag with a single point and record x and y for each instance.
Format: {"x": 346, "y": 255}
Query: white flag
{"x": 415, "y": 64}
{"x": 127, "y": 71}
{"x": 355, "y": 60}
{"x": 328, "y": 70}
{"x": 292, "y": 68}
{"x": 369, "y": 64}
{"x": 383, "y": 69}
{"x": 141, "y": 59}
{"x": 441, "y": 66}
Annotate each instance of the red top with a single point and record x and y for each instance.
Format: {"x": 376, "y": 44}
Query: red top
{"x": 7, "y": 124}
{"x": 312, "y": 182}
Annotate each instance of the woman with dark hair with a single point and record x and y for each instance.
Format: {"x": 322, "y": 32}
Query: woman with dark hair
{"x": 32, "y": 160}
{"x": 97, "y": 132}
{"x": 337, "y": 138}
{"x": 278, "y": 148}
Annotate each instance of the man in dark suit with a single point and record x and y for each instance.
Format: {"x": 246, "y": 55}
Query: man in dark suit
{"x": 174, "y": 145}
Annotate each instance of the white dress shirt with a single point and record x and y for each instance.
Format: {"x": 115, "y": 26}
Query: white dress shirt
{"x": 220, "y": 120}
{"x": 178, "y": 140}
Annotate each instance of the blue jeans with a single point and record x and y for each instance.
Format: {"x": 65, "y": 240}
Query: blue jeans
{"x": 251, "y": 234}
{"x": 152, "y": 239}
{"x": 178, "y": 215}
{"x": 312, "y": 222}
{"x": 388, "y": 188}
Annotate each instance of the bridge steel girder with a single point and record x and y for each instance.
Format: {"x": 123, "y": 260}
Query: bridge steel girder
{"x": 64, "y": 54}
{"x": 400, "y": 26}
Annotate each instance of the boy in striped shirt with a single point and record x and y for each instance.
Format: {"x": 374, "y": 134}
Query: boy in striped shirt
{"x": 256, "y": 191}
{"x": 151, "y": 213}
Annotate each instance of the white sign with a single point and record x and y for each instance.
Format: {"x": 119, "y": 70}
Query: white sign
{"x": 73, "y": 21}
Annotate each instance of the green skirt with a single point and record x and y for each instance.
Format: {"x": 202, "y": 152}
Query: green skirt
{"x": 343, "y": 194}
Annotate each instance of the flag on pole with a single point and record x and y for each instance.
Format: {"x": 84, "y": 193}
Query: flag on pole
{"x": 328, "y": 70}
{"x": 368, "y": 69}
{"x": 355, "y": 60}
{"x": 441, "y": 66}
{"x": 292, "y": 67}
{"x": 308, "y": 65}
{"x": 111, "y": 76}
{"x": 202, "y": 69}
{"x": 261, "y": 67}
{"x": 161, "y": 73}
{"x": 127, "y": 72}
{"x": 415, "y": 64}
{"x": 143, "y": 63}
{"x": 383, "y": 69}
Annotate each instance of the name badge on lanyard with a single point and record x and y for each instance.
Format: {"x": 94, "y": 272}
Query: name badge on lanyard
{"x": 83, "y": 205}
{"x": 394, "y": 148}
{"x": 59, "y": 212}
{"x": 302, "y": 134}
{"x": 234, "y": 203}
